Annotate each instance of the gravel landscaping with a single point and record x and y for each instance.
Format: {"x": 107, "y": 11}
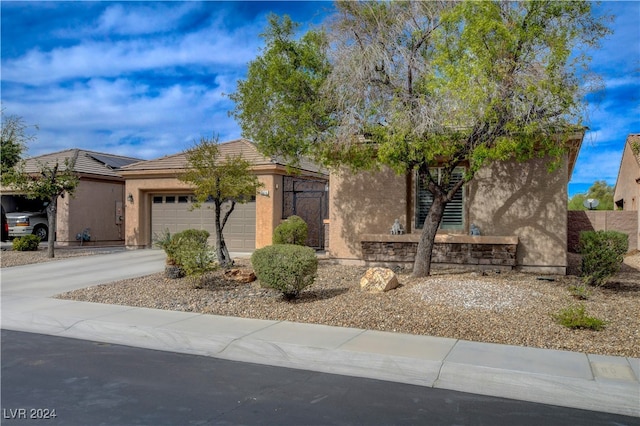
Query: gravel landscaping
{"x": 510, "y": 308}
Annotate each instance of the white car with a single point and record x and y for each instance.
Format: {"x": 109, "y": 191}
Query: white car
{"x": 27, "y": 223}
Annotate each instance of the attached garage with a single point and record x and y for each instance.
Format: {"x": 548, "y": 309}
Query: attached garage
{"x": 175, "y": 213}
{"x": 157, "y": 200}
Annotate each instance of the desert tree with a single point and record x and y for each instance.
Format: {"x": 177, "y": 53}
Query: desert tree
{"x": 221, "y": 181}
{"x": 47, "y": 181}
{"x": 14, "y": 138}
{"x": 600, "y": 190}
{"x": 424, "y": 87}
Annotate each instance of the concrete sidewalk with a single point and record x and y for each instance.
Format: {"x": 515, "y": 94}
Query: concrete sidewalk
{"x": 592, "y": 382}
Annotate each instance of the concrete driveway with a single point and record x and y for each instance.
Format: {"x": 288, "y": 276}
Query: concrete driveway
{"x": 51, "y": 278}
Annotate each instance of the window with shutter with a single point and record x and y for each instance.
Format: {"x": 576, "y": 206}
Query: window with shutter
{"x": 454, "y": 212}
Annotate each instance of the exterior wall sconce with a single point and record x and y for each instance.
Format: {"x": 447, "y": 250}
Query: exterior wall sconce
{"x": 264, "y": 192}
{"x": 130, "y": 198}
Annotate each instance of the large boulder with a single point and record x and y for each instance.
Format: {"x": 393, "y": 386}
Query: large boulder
{"x": 377, "y": 280}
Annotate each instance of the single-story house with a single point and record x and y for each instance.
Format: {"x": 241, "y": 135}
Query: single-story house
{"x": 157, "y": 201}
{"x": 94, "y": 215}
{"x": 626, "y": 195}
{"x": 520, "y": 210}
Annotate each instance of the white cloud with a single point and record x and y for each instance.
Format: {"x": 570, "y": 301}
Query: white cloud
{"x": 149, "y": 18}
{"x": 123, "y": 116}
{"x": 211, "y": 47}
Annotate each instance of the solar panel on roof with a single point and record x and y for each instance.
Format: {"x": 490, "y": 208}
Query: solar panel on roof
{"x": 113, "y": 162}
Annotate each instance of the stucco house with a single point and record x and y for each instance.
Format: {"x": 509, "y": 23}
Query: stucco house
{"x": 626, "y": 195}
{"x": 520, "y": 210}
{"x": 95, "y": 210}
{"x": 156, "y": 200}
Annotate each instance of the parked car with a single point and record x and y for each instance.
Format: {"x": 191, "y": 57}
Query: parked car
{"x": 26, "y": 223}
{"x": 5, "y": 226}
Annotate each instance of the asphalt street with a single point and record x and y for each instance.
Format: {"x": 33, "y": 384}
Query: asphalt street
{"x": 88, "y": 383}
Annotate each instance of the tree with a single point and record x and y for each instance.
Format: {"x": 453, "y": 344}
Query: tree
{"x": 14, "y": 138}
{"x": 48, "y": 182}
{"x": 223, "y": 182}
{"x": 600, "y": 191}
{"x": 422, "y": 86}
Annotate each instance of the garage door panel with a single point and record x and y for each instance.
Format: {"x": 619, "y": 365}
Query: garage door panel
{"x": 239, "y": 232}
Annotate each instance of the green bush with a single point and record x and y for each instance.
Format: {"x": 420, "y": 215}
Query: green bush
{"x": 292, "y": 231}
{"x": 164, "y": 241}
{"x": 192, "y": 252}
{"x": 288, "y": 268}
{"x": 579, "y": 291}
{"x": 189, "y": 251}
{"x": 576, "y": 317}
{"x": 26, "y": 243}
{"x": 602, "y": 254}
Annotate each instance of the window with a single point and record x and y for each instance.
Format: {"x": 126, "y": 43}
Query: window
{"x": 454, "y": 212}
{"x": 183, "y": 199}
{"x": 157, "y": 200}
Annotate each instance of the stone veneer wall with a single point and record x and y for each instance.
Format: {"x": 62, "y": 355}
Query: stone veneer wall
{"x": 450, "y": 249}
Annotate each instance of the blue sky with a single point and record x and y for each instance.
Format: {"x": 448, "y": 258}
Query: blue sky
{"x": 147, "y": 79}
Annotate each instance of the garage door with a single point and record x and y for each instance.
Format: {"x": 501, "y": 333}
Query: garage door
{"x": 173, "y": 213}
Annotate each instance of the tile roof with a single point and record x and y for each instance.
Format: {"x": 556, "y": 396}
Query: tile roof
{"x": 86, "y": 162}
{"x": 244, "y": 147}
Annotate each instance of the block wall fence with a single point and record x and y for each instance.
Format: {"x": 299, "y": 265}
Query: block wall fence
{"x": 601, "y": 220}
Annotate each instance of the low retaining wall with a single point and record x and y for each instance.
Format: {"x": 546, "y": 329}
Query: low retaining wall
{"x": 486, "y": 251}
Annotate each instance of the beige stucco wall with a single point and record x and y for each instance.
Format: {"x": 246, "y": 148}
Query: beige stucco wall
{"x": 525, "y": 200}
{"x": 363, "y": 203}
{"x": 93, "y": 206}
{"x": 268, "y": 208}
{"x": 138, "y": 213}
{"x": 627, "y": 188}
{"x": 506, "y": 199}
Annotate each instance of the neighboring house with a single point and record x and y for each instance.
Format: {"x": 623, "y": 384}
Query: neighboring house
{"x": 627, "y": 192}
{"x": 626, "y": 196}
{"x": 158, "y": 201}
{"x": 94, "y": 215}
{"x": 519, "y": 208}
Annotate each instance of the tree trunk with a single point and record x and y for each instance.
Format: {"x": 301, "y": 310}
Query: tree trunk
{"x": 52, "y": 209}
{"x": 224, "y": 258}
{"x": 422, "y": 264}
{"x": 409, "y": 198}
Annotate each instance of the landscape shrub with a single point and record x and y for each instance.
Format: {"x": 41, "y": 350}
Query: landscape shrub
{"x": 580, "y": 291}
{"x": 602, "y": 254}
{"x": 288, "y": 268}
{"x": 576, "y": 317}
{"x": 164, "y": 241}
{"x": 26, "y": 243}
{"x": 292, "y": 231}
{"x": 192, "y": 251}
{"x": 189, "y": 251}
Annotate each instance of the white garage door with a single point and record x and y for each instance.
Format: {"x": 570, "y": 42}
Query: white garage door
{"x": 173, "y": 213}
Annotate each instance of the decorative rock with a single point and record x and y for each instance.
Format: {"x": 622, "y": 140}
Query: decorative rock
{"x": 239, "y": 275}
{"x": 378, "y": 280}
{"x": 173, "y": 272}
